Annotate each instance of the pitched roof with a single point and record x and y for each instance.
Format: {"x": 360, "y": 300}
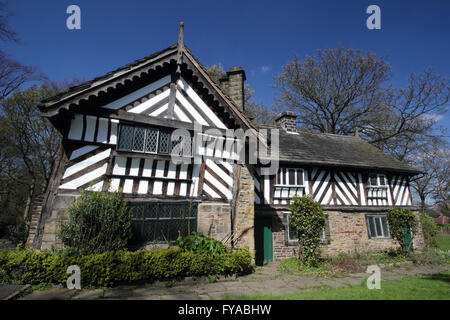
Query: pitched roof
{"x": 307, "y": 148}
{"x": 94, "y": 87}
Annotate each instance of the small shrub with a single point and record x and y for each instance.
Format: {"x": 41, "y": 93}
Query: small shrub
{"x": 198, "y": 243}
{"x": 398, "y": 220}
{"x": 98, "y": 222}
{"x": 430, "y": 230}
{"x": 306, "y": 215}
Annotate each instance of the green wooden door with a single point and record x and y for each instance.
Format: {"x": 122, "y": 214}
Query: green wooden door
{"x": 263, "y": 240}
{"x": 408, "y": 239}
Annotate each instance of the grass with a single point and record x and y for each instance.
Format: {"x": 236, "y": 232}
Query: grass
{"x": 443, "y": 242}
{"x": 423, "y": 287}
{"x": 353, "y": 263}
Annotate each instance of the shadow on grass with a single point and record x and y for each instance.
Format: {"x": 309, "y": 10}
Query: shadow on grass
{"x": 444, "y": 277}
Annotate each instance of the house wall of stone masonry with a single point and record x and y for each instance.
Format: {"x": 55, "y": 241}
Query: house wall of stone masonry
{"x": 214, "y": 218}
{"x": 348, "y": 234}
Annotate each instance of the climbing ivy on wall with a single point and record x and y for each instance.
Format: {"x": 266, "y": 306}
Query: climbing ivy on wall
{"x": 307, "y": 216}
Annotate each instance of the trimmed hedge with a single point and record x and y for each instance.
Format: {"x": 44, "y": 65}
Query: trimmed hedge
{"x": 109, "y": 268}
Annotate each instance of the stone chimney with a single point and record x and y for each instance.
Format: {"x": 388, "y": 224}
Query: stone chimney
{"x": 288, "y": 121}
{"x": 233, "y": 85}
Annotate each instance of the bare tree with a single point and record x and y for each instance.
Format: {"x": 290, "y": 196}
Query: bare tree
{"x": 336, "y": 91}
{"x": 12, "y": 73}
{"x": 430, "y": 160}
{"x": 6, "y": 33}
{"x": 343, "y": 90}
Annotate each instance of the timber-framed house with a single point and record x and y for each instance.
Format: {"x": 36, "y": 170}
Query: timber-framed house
{"x": 119, "y": 133}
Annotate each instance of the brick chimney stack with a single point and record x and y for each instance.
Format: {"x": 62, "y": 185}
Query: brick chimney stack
{"x": 288, "y": 121}
{"x": 233, "y": 85}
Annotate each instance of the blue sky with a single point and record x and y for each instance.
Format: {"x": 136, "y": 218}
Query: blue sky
{"x": 261, "y": 36}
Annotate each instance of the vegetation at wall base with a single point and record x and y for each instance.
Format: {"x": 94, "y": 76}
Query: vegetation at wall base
{"x": 307, "y": 216}
{"x": 98, "y": 222}
{"x": 115, "y": 267}
{"x": 430, "y": 230}
{"x": 198, "y": 243}
{"x": 399, "y": 220}
{"x": 358, "y": 262}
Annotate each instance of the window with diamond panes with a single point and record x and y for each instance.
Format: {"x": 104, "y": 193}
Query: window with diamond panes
{"x": 126, "y": 137}
{"x": 151, "y": 140}
{"x": 164, "y": 142}
{"x": 138, "y": 139}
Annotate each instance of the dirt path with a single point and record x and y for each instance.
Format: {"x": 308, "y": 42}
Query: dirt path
{"x": 267, "y": 279}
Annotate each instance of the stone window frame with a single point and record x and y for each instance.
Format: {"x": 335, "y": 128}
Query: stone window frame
{"x": 324, "y": 237}
{"x": 380, "y": 217}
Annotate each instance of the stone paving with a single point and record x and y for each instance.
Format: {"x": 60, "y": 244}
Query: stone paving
{"x": 267, "y": 279}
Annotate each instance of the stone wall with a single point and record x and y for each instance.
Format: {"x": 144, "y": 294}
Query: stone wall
{"x": 245, "y": 212}
{"x": 348, "y": 233}
{"x": 214, "y": 219}
{"x": 57, "y": 216}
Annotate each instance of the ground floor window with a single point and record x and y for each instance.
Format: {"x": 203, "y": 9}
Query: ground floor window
{"x": 162, "y": 221}
{"x": 378, "y": 226}
{"x": 293, "y": 234}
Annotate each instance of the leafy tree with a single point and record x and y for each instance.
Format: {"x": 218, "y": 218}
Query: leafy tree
{"x": 98, "y": 222}
{"x": 430, "y": 230}
{"x": 400, "y": 221}
{"x": 307, "y": 216}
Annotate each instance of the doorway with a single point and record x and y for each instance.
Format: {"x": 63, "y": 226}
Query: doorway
{"x": 263, "y": 240}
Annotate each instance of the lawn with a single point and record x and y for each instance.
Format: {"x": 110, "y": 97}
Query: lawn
{"x": 423, "y": 287}
{"x": 443, "y": 242}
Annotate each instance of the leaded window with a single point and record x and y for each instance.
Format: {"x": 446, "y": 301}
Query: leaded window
{"x": 126, "y": 138}
{"x": 139, "y": 139}
{"x": 164, "y": 142}
{"x": 162, "y": 221}
{"x": 152, "y": 140}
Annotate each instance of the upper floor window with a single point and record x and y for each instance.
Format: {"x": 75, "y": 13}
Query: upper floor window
{"x": 377, "y": 180}
{"x": 150, "y": 140}
{"x": 290, "y": 177}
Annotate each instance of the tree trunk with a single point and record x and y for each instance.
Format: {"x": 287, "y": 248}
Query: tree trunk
{"x": 26, "y": 215}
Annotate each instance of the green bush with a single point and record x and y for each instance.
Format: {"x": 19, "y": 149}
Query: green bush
{"x": 398, "y": 220}
{"x": 198, "y": 243}
{"x": 306, "y": 215}
{"x": 113, "y": 267}
{"x": 430, "y": 230}
{"x": 98, "y": 222}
